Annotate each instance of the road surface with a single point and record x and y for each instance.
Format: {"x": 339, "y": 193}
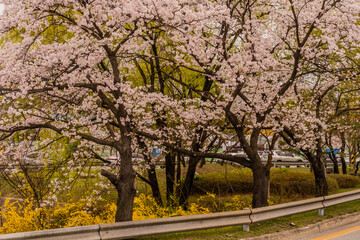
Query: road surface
{"x": 348, "y": 232}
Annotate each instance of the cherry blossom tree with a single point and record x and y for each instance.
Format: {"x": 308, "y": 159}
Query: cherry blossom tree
{"x": 73, "y": 67}
{"x": 314, "y": 118}
{"x": 69, "y": 67}
{"x": 257, "y": 60}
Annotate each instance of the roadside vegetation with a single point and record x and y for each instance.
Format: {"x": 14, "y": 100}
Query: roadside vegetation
{"x": 215, "y": 190}
{"x": 96, "y": 95}
{"x": 266, "y": 227}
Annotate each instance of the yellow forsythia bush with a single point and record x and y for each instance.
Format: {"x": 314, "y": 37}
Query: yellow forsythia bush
{"x": 145, "y": 207}
{"x": 20, "y": 219}
{"x": 25, "y": 217}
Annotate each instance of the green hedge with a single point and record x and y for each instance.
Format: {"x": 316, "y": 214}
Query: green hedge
{"x": 235, "y": 182}
{"x": 291, "y": 183}
{"x": 283, "y": 183}
{"x": 345, "y": 181}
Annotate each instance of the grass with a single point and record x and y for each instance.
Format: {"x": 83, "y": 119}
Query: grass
{"x": 266, "y": 227}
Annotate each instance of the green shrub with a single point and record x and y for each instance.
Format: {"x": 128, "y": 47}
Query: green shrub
{"x": 283, "y": 183}
{"x": 292, "y": 183}
{"x": 235, "y": 182}
{"x": 345, "y": 181}
{"x": 333, "y": 185}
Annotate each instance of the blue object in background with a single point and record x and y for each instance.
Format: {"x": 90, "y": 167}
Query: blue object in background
{"x": 335, "y": 150}
{"x": 156, "y": 151}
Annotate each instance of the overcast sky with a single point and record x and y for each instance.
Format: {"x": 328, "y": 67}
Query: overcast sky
{"x": 1, "y": 8}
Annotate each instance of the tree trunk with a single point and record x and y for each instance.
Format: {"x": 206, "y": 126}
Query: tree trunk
{"x": 342, "y": 151}
{"x": 335, "y": 162}
{"x": 356, "y": 168}
{"x": 124, "y": 186}
{"x": 124, "y": 182}
{"x": 321, "y": 186}
{"x": 188, "y": 182}
{"x": 261, "y": 173}
{"x": 261, "y": 178}
{"x": 178, "y": 169}
{"x": 125, "y": 202}
{"x": 336, "y": 168}
{"x": 343, "y": 165}
{"x": 151, "y": 172}
{"x": 154, "y": 184}
{"x": 170, "y": 175}
{"x": 202, "y": 162}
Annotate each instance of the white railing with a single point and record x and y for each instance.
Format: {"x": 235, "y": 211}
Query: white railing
{"x": 124, "y": 230}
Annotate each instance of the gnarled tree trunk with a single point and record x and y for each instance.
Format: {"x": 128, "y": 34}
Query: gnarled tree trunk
{"x": 124, "y": 182}
{"x": 321, "y": 186}
{"x": 261, "y": 178}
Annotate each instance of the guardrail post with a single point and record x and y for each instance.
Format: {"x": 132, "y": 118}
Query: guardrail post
{"x": 246, "y": 227}
{"x": 321, "y": 212}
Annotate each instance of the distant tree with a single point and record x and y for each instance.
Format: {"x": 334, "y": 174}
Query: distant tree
{"x": 259, "y": 62}
{"x": 313, "y": 121}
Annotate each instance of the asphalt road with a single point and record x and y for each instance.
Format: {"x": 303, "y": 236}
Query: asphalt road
{"x": 348, "y": 232}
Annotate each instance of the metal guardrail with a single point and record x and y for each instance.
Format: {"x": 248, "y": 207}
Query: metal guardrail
{"x": 304, "y": 163}
{"x": 161, "y": 164}
{"x": 290, "y": 163}
{"x": 274, "y": 164}
{"x": 125, "y": 230}
{"x": 91, "y": 232}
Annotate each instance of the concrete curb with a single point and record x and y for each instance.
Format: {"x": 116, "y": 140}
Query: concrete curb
{"x": 312, "y": 229}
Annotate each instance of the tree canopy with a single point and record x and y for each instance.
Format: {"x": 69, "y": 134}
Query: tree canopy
{"x": 181, "y": 71}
